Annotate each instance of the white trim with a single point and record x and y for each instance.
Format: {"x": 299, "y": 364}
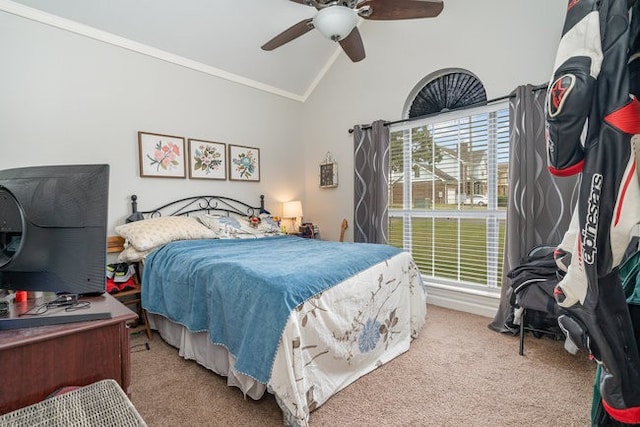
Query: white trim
{"x": 326, "y": 67}
{"x": 87, "y": 31}
{"x": 322, "y": 73}
{"x": 482, "y": 303}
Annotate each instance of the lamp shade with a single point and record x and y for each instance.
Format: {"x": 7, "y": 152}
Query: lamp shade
{"x": 335, "y": 22}
{"x": 292, "y": 209}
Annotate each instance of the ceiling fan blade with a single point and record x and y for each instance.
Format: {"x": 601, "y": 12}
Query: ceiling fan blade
{"x": 384, "y": 10}
{"x": 353, "y": 46}
{"x": 289, "y": 34}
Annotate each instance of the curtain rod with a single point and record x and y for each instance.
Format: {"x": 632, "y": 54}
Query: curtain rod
{"x": 477, "y": 104}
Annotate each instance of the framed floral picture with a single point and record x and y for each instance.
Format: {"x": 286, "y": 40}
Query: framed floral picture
{"x": 207, "y": 159}
{"x": 244, "y": 163}
{"x": 161, "y": 156}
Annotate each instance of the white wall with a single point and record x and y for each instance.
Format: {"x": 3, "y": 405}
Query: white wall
{"x": 65, "y": 98}
{"x": 505, "y": 43}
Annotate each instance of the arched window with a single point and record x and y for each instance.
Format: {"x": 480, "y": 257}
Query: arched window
{"x": 448, "y": 180}
{"x": 443, "y": 91}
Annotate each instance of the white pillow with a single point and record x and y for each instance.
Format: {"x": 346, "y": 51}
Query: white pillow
{"x": 151, "y": 233}
{"x": 130, "y": 254}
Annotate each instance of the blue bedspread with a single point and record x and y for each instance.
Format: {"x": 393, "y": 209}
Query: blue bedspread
{"x": 242, "y": 291}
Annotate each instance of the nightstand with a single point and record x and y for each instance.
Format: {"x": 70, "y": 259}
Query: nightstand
{"x": 130, "y": 297}
{"x": 309, "y": 231}
{"x": 307, "y": 236}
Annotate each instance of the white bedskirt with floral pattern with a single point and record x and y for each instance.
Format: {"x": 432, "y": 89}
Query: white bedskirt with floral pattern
{"x": 329, "y": 341}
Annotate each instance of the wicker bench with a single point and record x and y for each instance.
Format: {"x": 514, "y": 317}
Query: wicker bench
{"x": 102, "y": 403}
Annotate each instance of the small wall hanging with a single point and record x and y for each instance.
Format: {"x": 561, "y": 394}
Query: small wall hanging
{"x": 328, "y": 172}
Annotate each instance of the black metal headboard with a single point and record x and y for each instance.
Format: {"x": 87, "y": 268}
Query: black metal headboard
{"x": 190, "y": 205}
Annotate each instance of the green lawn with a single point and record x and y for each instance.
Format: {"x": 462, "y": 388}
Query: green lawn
{"x": 450, "y": 248}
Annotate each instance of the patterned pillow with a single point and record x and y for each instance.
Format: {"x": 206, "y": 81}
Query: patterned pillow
{"x": 227, "y": 226}
{"x": 151, "y": 233}
{"x": 268, "y": 224}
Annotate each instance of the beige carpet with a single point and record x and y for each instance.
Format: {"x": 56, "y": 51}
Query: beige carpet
{"x": 457, "y": 373}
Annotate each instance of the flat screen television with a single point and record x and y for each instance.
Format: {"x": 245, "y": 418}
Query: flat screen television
{"x": 53, "y": 228}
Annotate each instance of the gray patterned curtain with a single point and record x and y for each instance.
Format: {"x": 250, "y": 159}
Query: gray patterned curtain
{"x": 371, "y": 164}
{"x": 540, "y": 205}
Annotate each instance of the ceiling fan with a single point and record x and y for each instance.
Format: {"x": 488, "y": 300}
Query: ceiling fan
{"x": 337, "y": 20}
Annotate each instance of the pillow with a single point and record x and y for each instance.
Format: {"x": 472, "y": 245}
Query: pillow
{"x": 131, "y": 254}
{"x": 268, "y": 224}
{"x": 151, "y": 233}
{"x": 227, "y": 226}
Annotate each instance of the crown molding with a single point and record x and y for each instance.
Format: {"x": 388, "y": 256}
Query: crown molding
{"x": 106, "y": 37}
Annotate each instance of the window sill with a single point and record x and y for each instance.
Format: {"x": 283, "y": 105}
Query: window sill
{"x": 481, "y": 302}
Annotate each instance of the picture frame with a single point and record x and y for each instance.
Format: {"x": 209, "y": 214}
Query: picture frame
{"x": 161, "y": 156}
{"x": 328, "y": 172}
{"x": 244, "y": 163}
{"x": 207, "y": 159}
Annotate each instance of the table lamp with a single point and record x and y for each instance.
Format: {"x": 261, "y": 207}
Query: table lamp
{"x": 293, "y": 210}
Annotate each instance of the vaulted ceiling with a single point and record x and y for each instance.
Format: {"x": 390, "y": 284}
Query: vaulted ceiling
{"x": 222, "y": 37}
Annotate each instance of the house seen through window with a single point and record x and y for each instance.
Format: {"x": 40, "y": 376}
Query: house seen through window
{"x": 448, "y": 185}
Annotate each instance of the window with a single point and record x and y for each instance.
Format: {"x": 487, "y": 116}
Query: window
{"x": 445, "y": 90}
{"x": 448, "y": 193}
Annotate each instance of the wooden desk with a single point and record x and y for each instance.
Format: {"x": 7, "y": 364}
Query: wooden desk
{"x": 35, "y": 362}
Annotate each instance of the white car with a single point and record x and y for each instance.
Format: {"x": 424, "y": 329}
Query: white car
{"x": 477, "y": 199}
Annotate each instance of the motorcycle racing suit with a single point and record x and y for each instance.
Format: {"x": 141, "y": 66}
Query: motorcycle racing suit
{"x": 592, "y": 114}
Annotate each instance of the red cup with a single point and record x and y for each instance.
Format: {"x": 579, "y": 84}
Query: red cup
{"x": 21, "y": 296}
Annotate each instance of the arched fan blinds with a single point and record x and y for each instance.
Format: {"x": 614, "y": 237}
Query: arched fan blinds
{"x": 447, "y": 92}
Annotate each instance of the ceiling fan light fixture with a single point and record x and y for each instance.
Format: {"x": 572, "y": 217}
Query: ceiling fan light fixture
{"x": 335, "y": 22}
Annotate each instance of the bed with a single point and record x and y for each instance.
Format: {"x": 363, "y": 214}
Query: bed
{"x": 298, "y": 318}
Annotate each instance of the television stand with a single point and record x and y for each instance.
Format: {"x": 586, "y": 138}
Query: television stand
{"x": 37, "y": 361}
{"x": 18, "y": 316}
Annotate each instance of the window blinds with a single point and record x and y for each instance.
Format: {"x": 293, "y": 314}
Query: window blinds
{"x": 448, "y": 191}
